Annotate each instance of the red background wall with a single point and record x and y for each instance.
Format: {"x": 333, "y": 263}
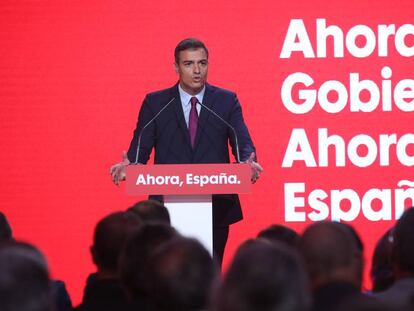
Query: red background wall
{"x": 72, "y": 77}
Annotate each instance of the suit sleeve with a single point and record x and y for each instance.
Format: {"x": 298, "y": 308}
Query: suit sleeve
{"x": 144, "y": 135}
{"x": 246, "y": 146}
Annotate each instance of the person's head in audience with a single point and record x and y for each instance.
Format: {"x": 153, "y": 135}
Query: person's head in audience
{"x": 24, "y": 279}
{"x": 5, "y": 229}
{"x": 134, "y": 259}
{"x": 180, "y": 276}
{"x": 264, "y": 276}
{"x": 151, "y": 212}
{"x": 382, "y": 274}
{"x": 280, "y": 233}
{"x": 111, "y": 233}
{"x": 331, "y": 254}
{"x": 357, "y": 239}
{"x": 403, "y": 250}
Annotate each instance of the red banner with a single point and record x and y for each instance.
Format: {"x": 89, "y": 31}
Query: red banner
{"x": 182, "y": 179}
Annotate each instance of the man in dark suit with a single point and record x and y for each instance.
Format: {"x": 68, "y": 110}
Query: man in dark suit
{"x": 189, "y": 123}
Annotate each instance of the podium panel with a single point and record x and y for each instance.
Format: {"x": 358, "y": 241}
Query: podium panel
{"x": 192, "y": 216}
{"x": 187, "y": 191}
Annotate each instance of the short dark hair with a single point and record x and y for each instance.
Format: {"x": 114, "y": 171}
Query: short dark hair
{"x": 264, "y": 276}
{"x": 111, "y": 234}
{"x": 138, "y": 249}
{"x": 24, "y": 278}
{"x": 180, "y": 276}
{"x": 280, "y": 233}
{"x": 151, "y": 212}
{"x": 327, "y": 248}
{"x": 404, "y": 242}
{"x": 354, "y": 234}
{"x": 188, "y": 44}
{"x": 382, "y": 274}
{"x": 5, "y": 229}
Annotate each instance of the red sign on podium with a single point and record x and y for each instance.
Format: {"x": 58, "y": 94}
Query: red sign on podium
{"x": 177, "y": 179}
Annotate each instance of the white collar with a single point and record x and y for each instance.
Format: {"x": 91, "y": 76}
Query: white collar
{"x": 185, "y": 97}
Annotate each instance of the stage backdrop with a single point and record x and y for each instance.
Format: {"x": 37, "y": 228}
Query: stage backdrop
{"x": 326, "y": 87}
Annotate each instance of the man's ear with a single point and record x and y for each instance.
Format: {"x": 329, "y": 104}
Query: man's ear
{"x": 176, "y": 67}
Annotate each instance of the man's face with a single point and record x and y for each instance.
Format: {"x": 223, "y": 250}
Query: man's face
{"x": 192, "y": 69}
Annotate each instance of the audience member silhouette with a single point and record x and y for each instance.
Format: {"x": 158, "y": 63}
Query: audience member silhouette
{"x": 402, "y": 291}
{"x": 103, "y": 290}
{"x": 334, "y": 262}
{"x": 5, "y": 229}
{"x": 382, "y": 274}
{"x": 143, "y": 264}
{"x": 59, "y": 293}
{"x": 151, "y": 211}
{"x": 24, "y": 279}
{"x": 181, "y": 276}
{"x": 134, "y": 259}
{"x": 281, "y": 234}
{"x": 264, "y": 276}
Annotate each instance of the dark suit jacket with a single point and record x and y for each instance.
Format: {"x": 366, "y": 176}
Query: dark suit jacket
{"x": 331, "y": 296}
{"x": 169, "y": 136}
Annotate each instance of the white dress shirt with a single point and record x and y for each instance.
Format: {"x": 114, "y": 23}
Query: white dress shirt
{"x": 185, "y": 102}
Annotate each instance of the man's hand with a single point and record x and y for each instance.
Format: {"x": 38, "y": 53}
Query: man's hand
{"x": 117, "y": 171}
{"x": 256, "y": 168}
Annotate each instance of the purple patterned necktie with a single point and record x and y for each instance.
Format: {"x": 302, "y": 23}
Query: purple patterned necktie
{"x": 193, "y": 120}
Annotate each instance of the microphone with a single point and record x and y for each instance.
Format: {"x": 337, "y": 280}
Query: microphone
{"x": 228, "y": 124}
{"x": 148, "y": 123}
